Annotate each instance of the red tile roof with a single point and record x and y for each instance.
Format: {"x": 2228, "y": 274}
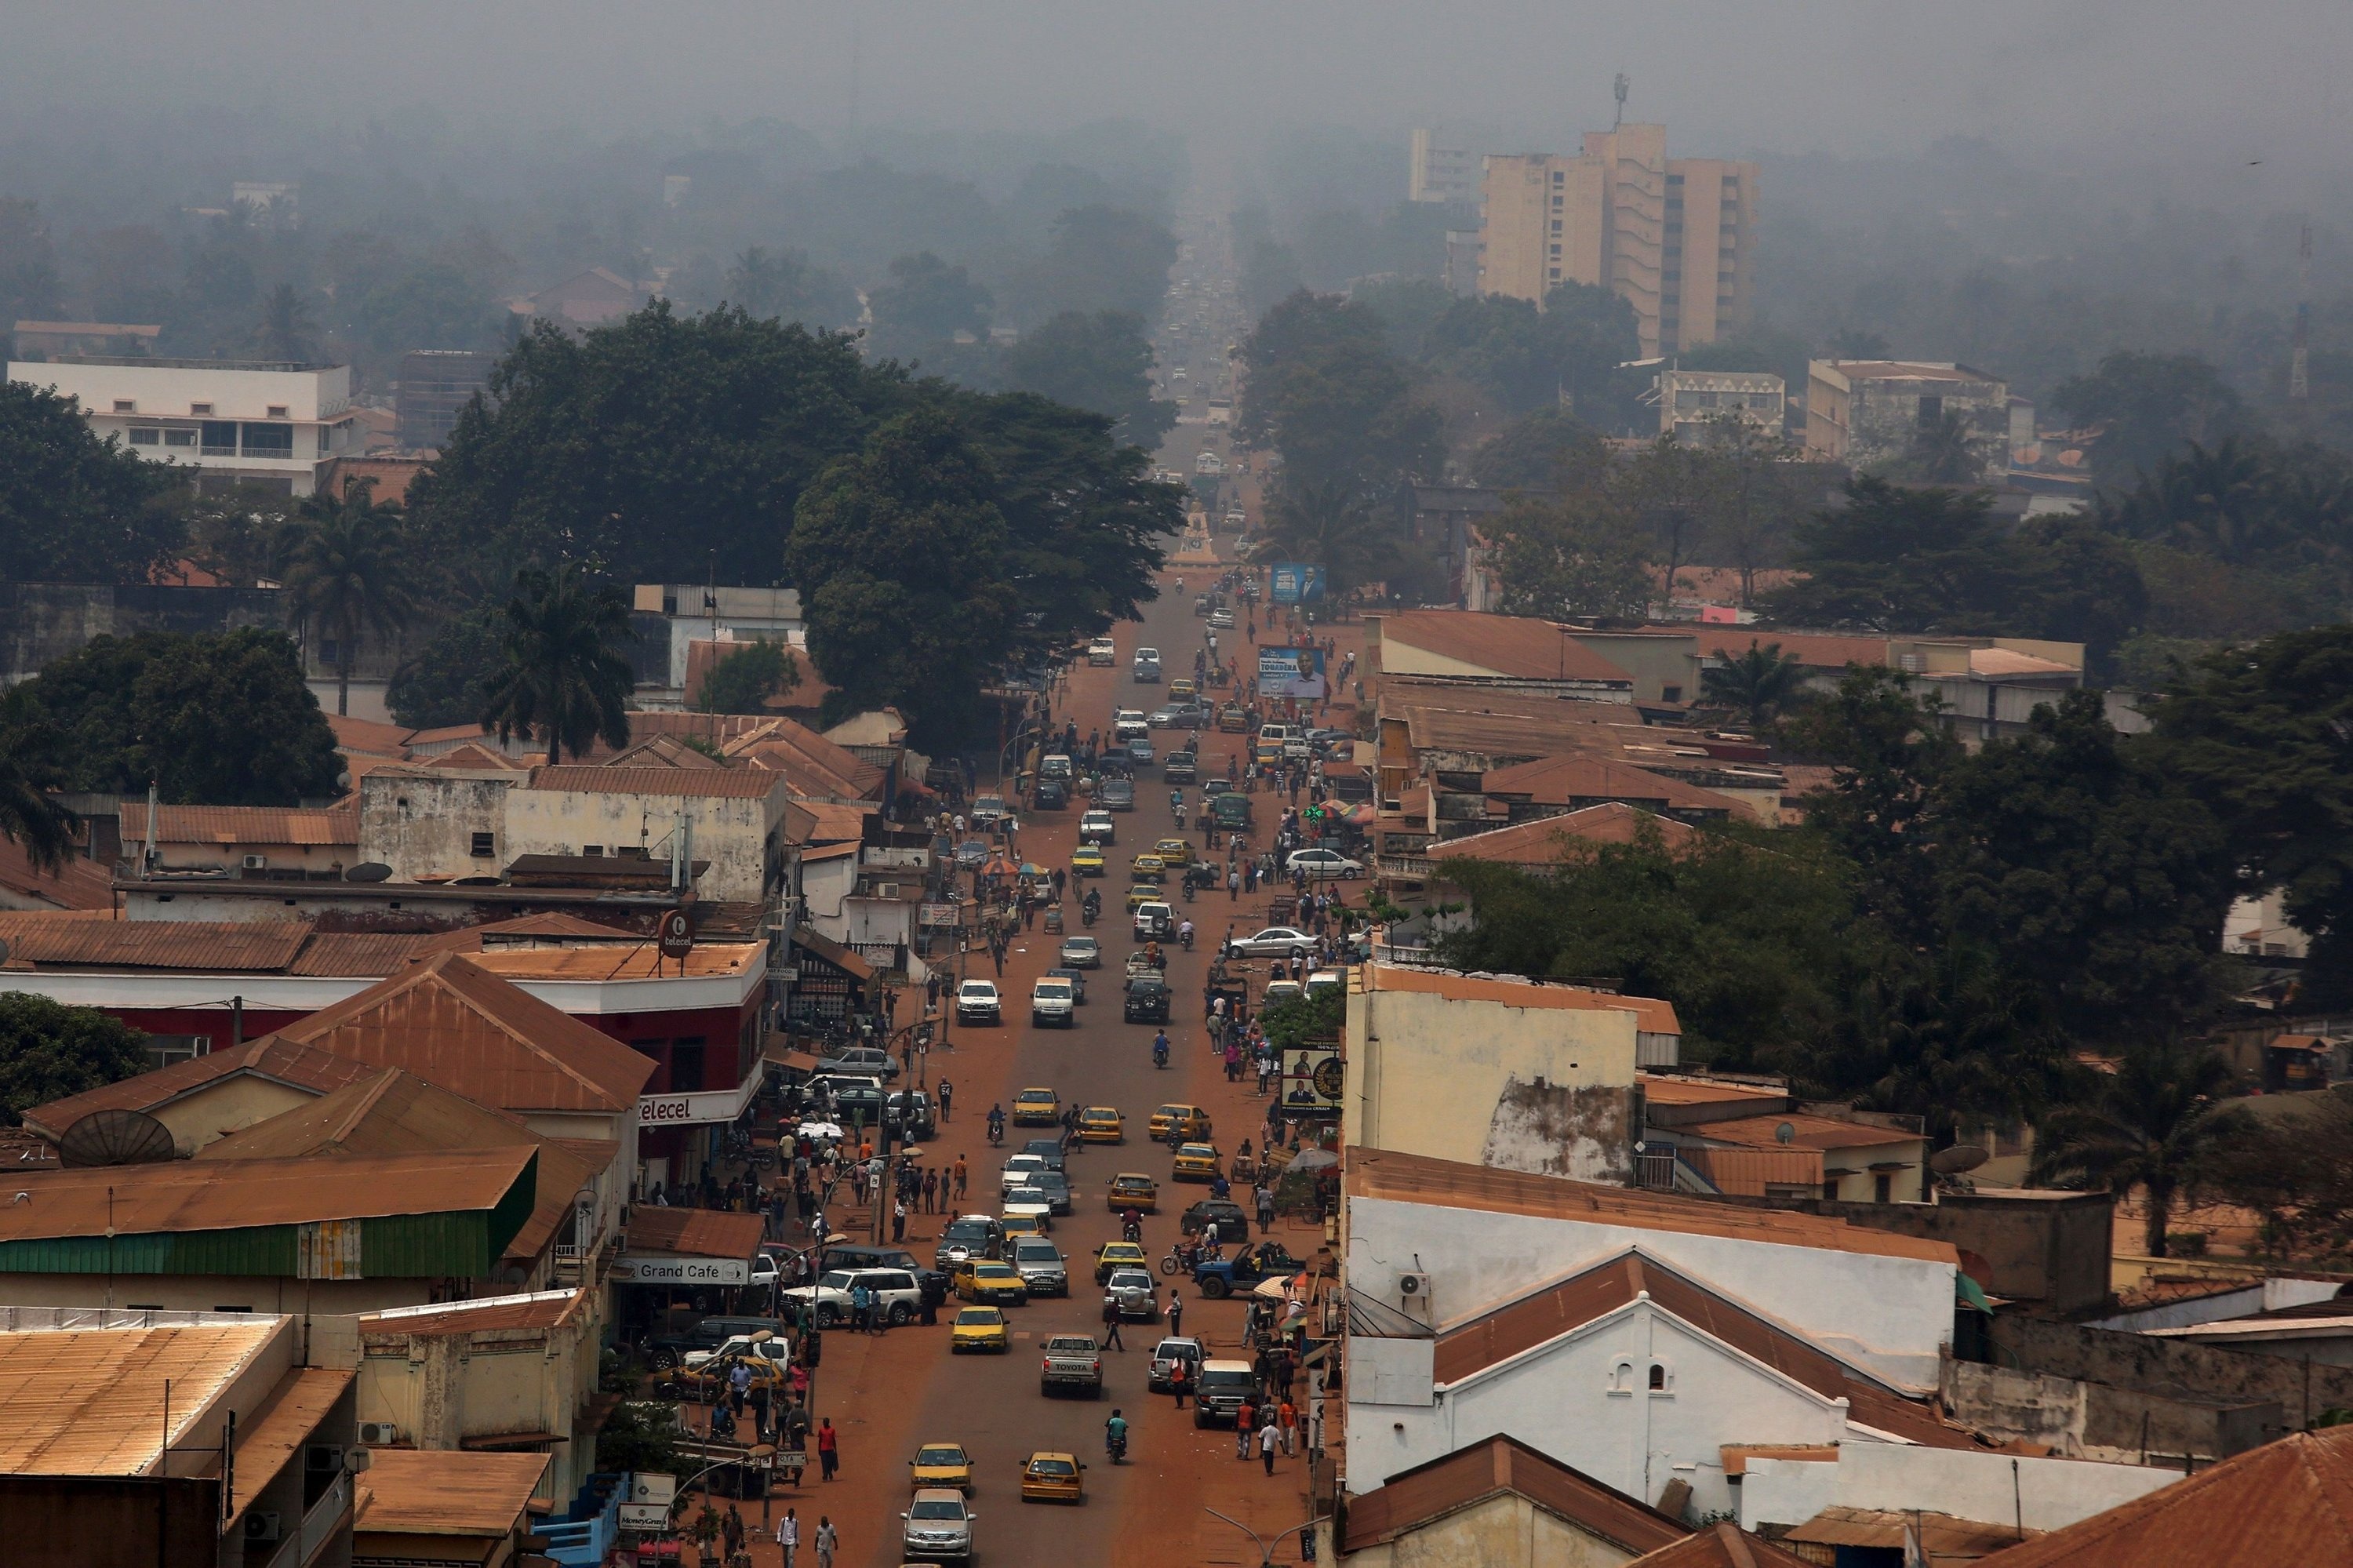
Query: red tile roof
{"x": 1515, "y": 646}
{"x": 1413, "y": 1498}
{"x": 2286, "y": 1502}
{"x": 1548, "y": 1313}
{"x": 1582, "y": 780}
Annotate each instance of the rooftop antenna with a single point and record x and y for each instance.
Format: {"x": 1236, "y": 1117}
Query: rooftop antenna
{"x": 853, "y": 74}
{"x": 1619, "y": 86}
{"x": 2299, "y": 379}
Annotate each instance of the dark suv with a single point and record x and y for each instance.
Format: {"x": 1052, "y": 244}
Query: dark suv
{"x": 974, "y": 1235}
{"x": 670, "y": 1350}
{"x": 933, "y": 1283}
{"x": 1232, "y": 1224}
{"x": 1146, "y": 1000}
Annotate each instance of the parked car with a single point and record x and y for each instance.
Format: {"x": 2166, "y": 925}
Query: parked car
{"x": 896, "y": 1294}
{"x": 1322, "y": 863}
{"x": 1166, "y": 1356}
{"x": 861, "y": 1060}
{"x": 910, "y": 1112}
{"x": 841, "y": 1255}
{"x": 1273, "y": 942}
{"x": 972, "y": 854}
{"x": 977, "y": 1003}
{"x": 989, "y": 810}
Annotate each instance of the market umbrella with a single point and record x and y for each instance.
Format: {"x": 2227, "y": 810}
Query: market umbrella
{"x": 1031, "y": 868}
{"x": 1272, "y": 1290}
{"x": 1313, "y": 1159}
{"x": 1361, "y": 814}
{"x": 819, "y": 1129}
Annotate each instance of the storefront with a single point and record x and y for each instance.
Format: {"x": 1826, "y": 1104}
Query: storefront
{"x": 686, "y": 1264}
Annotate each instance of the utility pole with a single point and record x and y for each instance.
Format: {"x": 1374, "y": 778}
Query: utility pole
{"x": 2299, "y": 379}
{"x": 1619, "y": 88}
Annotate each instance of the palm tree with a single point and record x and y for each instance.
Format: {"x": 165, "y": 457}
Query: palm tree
{"x": 284, "y": 331}
{"x": 349, "y": 573}
{"x": 1759, "y": 684}
{"x": 1941, "y": 453}
{"x": 2149, "y": 1125}
{"x": 1328, "y": 523}
{"x": 2216, "y": 498}
{"x": 30, "y": 818}
{"x": 566, "y": 678}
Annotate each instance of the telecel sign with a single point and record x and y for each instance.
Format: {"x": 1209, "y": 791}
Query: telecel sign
{"x": 643, "y": 1270}
{"x": 720, "y": 1105}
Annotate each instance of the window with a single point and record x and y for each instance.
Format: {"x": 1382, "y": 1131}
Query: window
{"x": 200, "y": 408}
{"x": 125, "y": 405}
{"x": 1621, "y": 1378}
{"x": 483, "y": 846}
{"x": 1556, "y": 225}
{"x": 162, "y": 1050}
{"x": 686, "y": 1065}
{"x": 1830, "y": 1187}
{"x": 220, "y": 439}
{"x": 592, "y": 852}
{"x": 179, "y": 438}
{"x": 268, "y": 440}
{"x": 1670, "y": 693}
{"x": 277, "y": 410}
{"x": 146, "y": 436}
{"x": 1932, "y": 411}
{"x": 1658, "y": 1378}
{"x": 1556, "y": 250}
{"x": 1559, "y": 178}
{"x": 1882, "y": 1189}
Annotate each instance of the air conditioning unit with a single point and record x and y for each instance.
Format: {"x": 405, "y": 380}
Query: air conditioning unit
{"x": 256, "y": 863}
{"x": 1413, "y": 1298}
{"x": 260, "y": 1528}
{"x": 378, "y": 1434}
{"x": 886, "y": 890}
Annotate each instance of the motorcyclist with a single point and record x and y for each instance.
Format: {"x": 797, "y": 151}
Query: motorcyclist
{"x": 1115, "y": 1437}
{"x": 1160, "y": 1049}
{"x": 997, "y": 1124}
{"x": 1184, "y": 935}
{"x": 1131, "y": 1225}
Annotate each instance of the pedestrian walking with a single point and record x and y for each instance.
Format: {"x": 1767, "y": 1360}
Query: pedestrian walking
{"x": 1180, "y": 1378}
{"x": 899, "y": 1219}
{"x": 947, "y": 1099}
{"x": 829, "y": 1463}
{"x": 788, "y": 1535}
{"x": 1245, "y": 1424}
{"x": 861, "y": 1302}
{"x": 739, "y": 1386}
{"x": 1286, "y": 1417}
{"x": 931, "y": 1192}
{"x": 1175, "y": 1314}
{"x": 961, "y": 1174}
{"x": 1268, "y": 1436}
{"x": 829, "y": 1540}
{"x": 1111, "y": 1340}
{"x": 1264, "y": 1195}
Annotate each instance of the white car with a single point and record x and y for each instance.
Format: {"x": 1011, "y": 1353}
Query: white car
{"x": 1103, "y": 652}
{"x": 977, "y": 1003}
{"x": 1274, "y": 942}
{"x": 1323, "y": 862}
{"x": 762, "y": 1346}
{"x": 1052, "y": 1001}
{"x": 1126, "y": 723}
{"x": 1097, "y": 828}
{"x": 896, "y": 1294}
{"x": 1019, "y": 1169}
{"x": 1137, "y": 1295}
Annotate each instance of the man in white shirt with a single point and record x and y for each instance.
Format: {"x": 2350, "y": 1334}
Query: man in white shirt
{"x": 788, "y": 1536}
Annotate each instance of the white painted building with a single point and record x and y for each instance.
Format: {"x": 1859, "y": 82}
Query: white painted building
{"x": 1988, "y": 1488}
{"x": 232, "y": 421}
{"x": 1628, "y": 1371}
{"x": 697, "y": 613}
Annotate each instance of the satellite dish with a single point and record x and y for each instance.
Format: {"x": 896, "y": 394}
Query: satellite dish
{"x": 1959, "y": 1158}
{"x": 116, "y": 1137}
{"x": 369, "y": 871}
{"x": 1785, "y": 1133}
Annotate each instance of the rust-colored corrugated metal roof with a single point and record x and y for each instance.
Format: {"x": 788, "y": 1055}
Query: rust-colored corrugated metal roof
{"x": 1550, "y": 1312}
{"x": 1389, "y": 1174}
{"x": 238, "y": 1194}
{"x": 335, "y": 826}
{"x": 1806, "y": 1131}
{"x": 1546, "y": 840}
{"x": 264, "y": 945}
{"x": 615, "y": 962}
{"x": 1651, "y": 1015}
{"x": 693, "y": 1233}
{"x": 1516, "y": 646}
{"x": 834, "y": 823}
{"x": 424, "y": 1491}
{"x": 2286, "y": 1502}
{"x": 1720, "y": 1545}
{"x": 541, "y": 1310}
{"x": 1413, "y": 1498}
{"x": 733, "y": 783}
{"x": 92, "y": 1401}
{"x": 304, "y": 1066}
{"x": 1943, "y": 1536}
{"x": 357, "y": 955}
{"x": 267, "y": 1437}
{"x": 1667, "y": 1089}
{"x": 1563, "y": 780}
{"x": 1751, "y": 1173}
{"x": 76, "y": 884}
{"x": 450, "y": 1023}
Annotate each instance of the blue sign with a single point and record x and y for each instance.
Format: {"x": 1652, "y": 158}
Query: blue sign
{"x": 1295, "y": 582}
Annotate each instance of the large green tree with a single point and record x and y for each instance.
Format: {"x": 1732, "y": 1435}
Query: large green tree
{"x": 1577, "y": 555}
{"x": 1566, "y": 354}
{"x": 785, "y": 285}
{"x": 660, "y": 446}
{"x": 1103, "y": 259}
{"x": 1548, "y": 449}
{"x": 448, "y": 680}
{"x": 1322, "y": 389}
{"x": 48, "y": 1051}
{"x": 742, "y": 681}
{"x": 900, "y": 552}
{"x": 351, "y": 572}
{"x": 1102, "y": 363}
{"x": 1759, "y": 684}
{"x": 2152, "y": 1125}
{"x": 1330, "y": 524}
{"x": 566, "y": 680}
{"x": 921, "y": 305}
{"x": 73, "y": 508}
{"x": 2144, "y": 405}
{"x": 212, "y": 720}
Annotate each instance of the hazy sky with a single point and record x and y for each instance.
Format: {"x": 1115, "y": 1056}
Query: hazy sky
{"x": 2214, "y": 83}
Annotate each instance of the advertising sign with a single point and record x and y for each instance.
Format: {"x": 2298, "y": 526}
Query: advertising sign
{"x": 638, "y": 1269}
{"x": 674, "y": 937}
{"x": 721, "y": 1106}
{"x": 1291, "y": 672}
{"x": 941, "y": 913}
{"x": 645, "y": 1515}
{"x": 1295, "y": 582}
{"x": 1313, "y": 1079}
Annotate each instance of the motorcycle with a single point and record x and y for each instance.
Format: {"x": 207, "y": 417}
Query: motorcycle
{"x": 1116, "y": 1445}
{"x": 1188, "y": 898}
{"x": 996, "y": 1133}
{"x": 1130, "y": 1231}
{"x": 1086, "y": 915}
{"x": 1182, "y": 1258}
{"x": 1159, "y": 1055}
{"x": 1186, "y": 936}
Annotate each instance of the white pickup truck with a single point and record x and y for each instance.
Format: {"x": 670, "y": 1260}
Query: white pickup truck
{"x": 1070, "y": 1362}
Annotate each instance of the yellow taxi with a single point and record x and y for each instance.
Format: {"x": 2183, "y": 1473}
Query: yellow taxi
{"x": 1175, "y": 854}
{"x": 1148, "y": 868}
{"x": 1087, "y": 860}
{"x": 1119, "y": 1254}
{"x": 1037, "y": 1107}
{"x": 1144, "y": 893}
{"x": 1183, "y": 1121}
{"x": 1233, "y": 719}
{"x": 1134, "y": 1190}
{"x": 1049, "y": 1477}
{"x": 943, "y": 1464}
{"x": 1025, "y": 1220}
{"x": 1266, "y": 752}
{"x": 1198, "y": 1162}
{"x": 1183, "y": 690}
{"x": 977, "y": 1328}
{"x": 1101, "y": 1124}
{"x": 984, "y": 1280}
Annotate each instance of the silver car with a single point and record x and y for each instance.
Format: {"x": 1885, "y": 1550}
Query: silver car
{"x": 1041, "y": 1267}
{"x": 939, "y": 1527}
{"x": 1137, "y": 1295}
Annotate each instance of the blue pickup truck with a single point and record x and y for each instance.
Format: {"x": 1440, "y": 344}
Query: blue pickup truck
{"x": 1223, "y": 1277}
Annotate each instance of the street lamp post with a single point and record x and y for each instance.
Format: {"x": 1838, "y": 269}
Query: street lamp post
{"x": 1266, "y": 1548}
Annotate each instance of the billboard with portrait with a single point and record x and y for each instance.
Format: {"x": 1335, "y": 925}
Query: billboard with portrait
{"x": 1313, "y": 1079}
{"x": 1291, "y": 672}
{"x": 1294, "y": 582}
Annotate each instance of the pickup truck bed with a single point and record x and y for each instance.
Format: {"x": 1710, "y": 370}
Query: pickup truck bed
{"x": 1070, "y": 1362}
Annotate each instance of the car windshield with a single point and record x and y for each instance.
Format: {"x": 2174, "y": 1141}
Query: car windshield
{"x": 945, "y": 1507}
{"x": 1059, "y": 1469}
{"x": 1240, "y": 1379}
{"x": 838, "y": 1280}
{"x": 1053, "y": 988}
{"x": 1131, "y": 1279}
{"x": 1037, "y": 1252}
{"x": 940, "y": 1457}
{"x": 984, "y": 1317}
{"x": 963, "y": 1230}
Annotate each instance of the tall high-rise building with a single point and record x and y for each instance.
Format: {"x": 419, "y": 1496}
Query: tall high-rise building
{"x": 1436, "y": 173}
{"x": 1673, "y": 238}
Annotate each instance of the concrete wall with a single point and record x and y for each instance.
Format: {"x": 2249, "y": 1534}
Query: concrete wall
{"x": 2091, "y": 1420}
{"x": 440, "y": 1390}
{"x": 1889, "y": 1316}
{"x": 229, "y": 1104}
{"x": 1505, "y": 1531}
{"x": 423, "y": 826}
{"x": 742, "y": 839}
{"x": 1542, "y": 1089}
{"x": 1656, "y": 661}
{"x": 1584, "y": 1400}
{"x": 1991, "y": 1488}
{"x": 2171, "y": 1369}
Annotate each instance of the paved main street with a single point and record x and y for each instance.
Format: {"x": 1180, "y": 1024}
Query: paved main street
{"x": 888, "y": 1393}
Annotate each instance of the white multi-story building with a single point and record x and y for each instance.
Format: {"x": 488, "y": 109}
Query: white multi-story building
{"x": 233, "y": 421}
{"x": 1691, "y": 402}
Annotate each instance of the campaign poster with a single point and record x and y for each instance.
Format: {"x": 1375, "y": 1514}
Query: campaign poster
{"x": 1313, "y": 1079}
{"x": 1291, "y": 672}
{"x": 1295, "y": 582}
